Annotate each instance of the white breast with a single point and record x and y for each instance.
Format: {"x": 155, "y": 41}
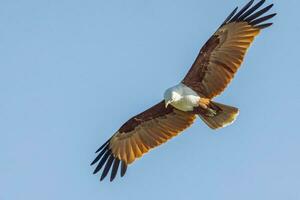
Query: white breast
{"x": 189, "y": 98}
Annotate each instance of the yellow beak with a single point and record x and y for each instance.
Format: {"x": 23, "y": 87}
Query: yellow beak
{"x": 167, "y": 103}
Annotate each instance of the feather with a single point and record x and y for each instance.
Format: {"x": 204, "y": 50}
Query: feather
{"x": 114, "y": 169}
{"x": 241, "y": 11}
{"x": 100, "y": 155}
{"x": 123, "y": 168}
{"x": 101, "y": 163}
{"x": 262, "y": 26}
{"x": 251, "y": 10}
{"x": 229, "y": 16}
{"x": 107, "y": 167}
{"x": 102, "y": 146}
{"x": 262, "y": 19}
{"x": 258, "y": 13}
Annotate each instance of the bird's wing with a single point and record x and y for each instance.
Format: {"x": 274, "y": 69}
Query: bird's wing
{"x": 223, "y": 53}
{"x": 138, "y": 135}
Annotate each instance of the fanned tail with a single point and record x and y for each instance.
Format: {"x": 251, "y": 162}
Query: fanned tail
{"x": 219, "y": 115}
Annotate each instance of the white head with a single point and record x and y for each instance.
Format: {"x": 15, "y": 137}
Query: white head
{"x": 171, "y": 95}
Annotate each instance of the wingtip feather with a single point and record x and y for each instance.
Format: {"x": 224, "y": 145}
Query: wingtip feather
{"x": 107, "y": 167}
{"x": 123, "y": 168}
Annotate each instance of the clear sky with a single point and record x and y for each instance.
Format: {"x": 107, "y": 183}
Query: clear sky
{"x": 71, "y": 72}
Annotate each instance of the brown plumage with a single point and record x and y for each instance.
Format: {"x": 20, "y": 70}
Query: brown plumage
{"x": 214, "y": 68}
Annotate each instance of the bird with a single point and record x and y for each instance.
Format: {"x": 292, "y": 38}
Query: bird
{"x": 213, "y": 69}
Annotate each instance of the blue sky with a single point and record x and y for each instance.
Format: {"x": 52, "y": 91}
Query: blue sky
{"x": 71, "y": 72}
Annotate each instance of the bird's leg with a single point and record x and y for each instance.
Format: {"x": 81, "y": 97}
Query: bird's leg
{"x": 205, "y": 108}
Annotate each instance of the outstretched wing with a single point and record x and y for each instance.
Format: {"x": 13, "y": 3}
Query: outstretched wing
{"x": 138, "y": 135}
{"x": 223, "y": 53}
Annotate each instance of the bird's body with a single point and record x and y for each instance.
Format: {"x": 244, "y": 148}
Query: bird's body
{"x": 214, "y": 68}
{"x": 182, "y": 97}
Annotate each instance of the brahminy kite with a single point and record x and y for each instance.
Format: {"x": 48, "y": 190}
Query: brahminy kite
{"x": 214, "y": 68}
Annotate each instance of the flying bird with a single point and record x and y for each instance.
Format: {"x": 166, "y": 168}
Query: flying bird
{"x": 214, "y": 68}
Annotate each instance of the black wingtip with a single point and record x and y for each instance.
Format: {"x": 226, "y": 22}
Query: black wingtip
{"x": 114, "y": 169}
{"x": 263, "y": 26}
{"x": 262, "y": 19}
{"x": 94, "y": 161}
{"x": 123, "y": 168}
{"x": 102, "y": 162}
{"x": 242, "y": 11}
{"x": 100, "y": 155}
{"x": 251, "y": 10}
{"x": 230, "y": 16}
{"x": 107, "y": 159}
{"x": 259, "y": 13}
{"x": 107, "y": 167}
{"x": 251, "y": 15}
{"x": 100, "y": 148}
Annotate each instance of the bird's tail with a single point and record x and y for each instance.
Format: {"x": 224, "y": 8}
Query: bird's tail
{"x": 219, "y": 115}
